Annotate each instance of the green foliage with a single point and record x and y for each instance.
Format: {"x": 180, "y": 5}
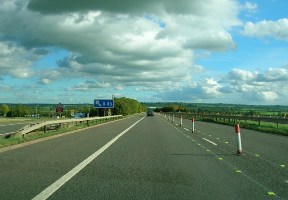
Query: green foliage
{"x": 172, "y": 108}
{"x": 18, "y": 111}
{"x": 4, "y": 109}
{"x": 252, "y": 125}
{"x": 222, "y": 109}
{"x": 125, "y": 106}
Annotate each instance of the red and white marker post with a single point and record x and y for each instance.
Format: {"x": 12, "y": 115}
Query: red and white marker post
{"x": 181, "y": 121}
{"x": 193, "y": 125}
{"x": 238, "y": 137}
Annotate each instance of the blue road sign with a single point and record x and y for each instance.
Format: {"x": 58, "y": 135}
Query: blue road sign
{"x": 104, "y": 103}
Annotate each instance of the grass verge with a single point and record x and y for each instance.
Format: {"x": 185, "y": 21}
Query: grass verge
{"x": 6, "y": 142}
{"x": 252, "y": 125}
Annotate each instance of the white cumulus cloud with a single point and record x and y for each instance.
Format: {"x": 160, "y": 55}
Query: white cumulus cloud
{"x": 267, "y": 28}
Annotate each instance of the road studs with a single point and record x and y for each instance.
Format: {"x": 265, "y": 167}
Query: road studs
{"x": 271, "y": 193}
{"x": 283, "y": 166}
{"x": 238, "y": 171}
{"x": 220, "y": 158}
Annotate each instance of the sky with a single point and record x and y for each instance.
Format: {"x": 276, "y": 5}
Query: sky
{"x": 208, "y": 51}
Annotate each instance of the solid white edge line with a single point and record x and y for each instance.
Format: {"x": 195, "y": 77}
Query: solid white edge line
{"x": 209, "y": 141}
{"x": 60, "y": 182}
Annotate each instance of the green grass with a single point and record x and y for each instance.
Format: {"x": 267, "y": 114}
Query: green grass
{"x": 253, "y": 125}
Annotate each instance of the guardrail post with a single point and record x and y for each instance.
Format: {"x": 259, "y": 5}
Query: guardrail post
{"x": 238, "y": 138}
{"x": 193, "y": 126}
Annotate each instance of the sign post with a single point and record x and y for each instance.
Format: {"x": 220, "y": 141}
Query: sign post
{"x": 59, "y": 109}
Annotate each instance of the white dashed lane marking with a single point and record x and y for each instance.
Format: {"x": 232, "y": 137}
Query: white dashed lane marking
{"x": 209, "y": 141}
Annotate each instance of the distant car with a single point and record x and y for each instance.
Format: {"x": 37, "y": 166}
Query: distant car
{"x": 79, "y": 115}
{"x": 150, "y": 113}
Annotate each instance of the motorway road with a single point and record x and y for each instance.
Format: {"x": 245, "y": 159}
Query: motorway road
{"x": 8, "y": 128}
{"x": 148, "y": 158}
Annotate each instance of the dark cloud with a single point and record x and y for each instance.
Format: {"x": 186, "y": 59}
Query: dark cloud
{"x": 60, "y": 6}
{"x": 128, "y": 6}
{"x": 41, "y": 51}
{"x": 65, "y": 62}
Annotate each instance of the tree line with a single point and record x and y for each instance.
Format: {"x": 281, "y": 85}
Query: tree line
{"x": 122, "y": 106}
{"x": 220, "y": 109}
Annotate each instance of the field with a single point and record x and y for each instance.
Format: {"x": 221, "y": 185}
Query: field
{"x": 223, "y": 109}
{"x": 280, "y": 129}
{"x": 196, "y": 109}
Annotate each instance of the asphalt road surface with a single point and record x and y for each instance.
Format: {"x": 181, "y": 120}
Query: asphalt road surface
{"x": 148, "y": 158}
{"x": 8, "y": 128}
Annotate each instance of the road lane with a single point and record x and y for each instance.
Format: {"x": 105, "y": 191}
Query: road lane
{"x": 268, "y": 146}
{"x": 8, "y": 128}
{"x": 158, "y": 161}
{"x": 60, "y": 182}
{"x": 26, "y": 171}
{"x": 153, "y": 160}
{"x": 265, "y": 155}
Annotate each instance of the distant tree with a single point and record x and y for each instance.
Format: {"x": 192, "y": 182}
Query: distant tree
{"x": 18, "y": 111}
{"x": 93, "y": 112}
{"x": 126, "y": 106}
{"x": 182, "y": 108}
{"x": 251, "y": 113}
{"x": 4, "y": 109}
{"x": 174, "y": 108}
{"x": 157, "y": 110}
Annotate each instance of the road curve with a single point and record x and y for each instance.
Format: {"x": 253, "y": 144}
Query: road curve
{"x": 154, "y": 159}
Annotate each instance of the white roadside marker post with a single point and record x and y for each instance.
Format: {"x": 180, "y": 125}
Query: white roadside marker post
{"x": 238, "y": 137}
{"x": 181, "y": 121}
{"x": 193, "y": 125}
